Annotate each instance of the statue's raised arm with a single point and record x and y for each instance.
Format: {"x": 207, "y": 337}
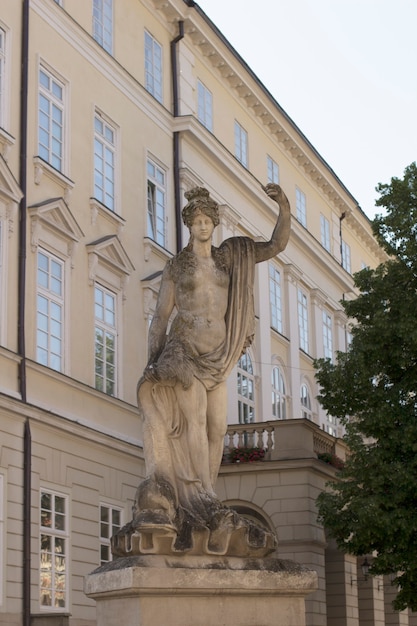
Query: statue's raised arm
{"x": 280, "y": 235}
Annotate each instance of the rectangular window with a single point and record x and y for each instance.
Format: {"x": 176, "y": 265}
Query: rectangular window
{"x": 105, "y": 340}
{"x": 110, "y": 523}
{"x": 104, "y": 162}
{"x": 346, "y": 257}
{"x": 272, "y": 170}
{"x": 53, "y": 551}
{"x": 303, "y": 320}
{"x": 275, "y": 300}
{"x": 241, "y": 144}
{"x": 205, "y": 106}
{"x": 327, "y": 336}
{"x": 245, "y": 390}
{"x": 300, "y": 205}
{"x": 50, "y": 311}
{"x": 325, "y": 232}
{"x": 51, "y": 119}
{"x": 103, "y": 23}
{"x": 2, "y": 74}
{"x": 156, "y": 228}
{"x": 153, "y": 67}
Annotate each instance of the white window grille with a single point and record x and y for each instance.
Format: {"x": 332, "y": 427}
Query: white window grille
{"x": 153, "y": 67}
{"x": 53, "y": 551}
{"x": 105, "y": 346}
{"x": 205, "y": 106}
{"x": 279, "y": 402}
{"x": 104, "y": 162}
{"x": 50, "y": 311}
{"x": 245, "y": 390}
{"x": 51, "y": 119}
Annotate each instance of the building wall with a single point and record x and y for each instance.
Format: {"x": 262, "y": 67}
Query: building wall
{"x": 86, "y": 445}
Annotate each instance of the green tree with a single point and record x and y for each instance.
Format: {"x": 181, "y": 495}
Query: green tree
{"x": 372, "y": 389}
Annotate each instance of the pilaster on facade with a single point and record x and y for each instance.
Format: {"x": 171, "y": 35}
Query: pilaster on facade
{"x": 318, "y": 300}
{"x": 292, "y": 275}
{"x": 263, "y": 333}
{"x": 341, "y": 321}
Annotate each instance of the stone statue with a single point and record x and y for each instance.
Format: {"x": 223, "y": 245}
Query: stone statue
{"x": 182, "y": 393}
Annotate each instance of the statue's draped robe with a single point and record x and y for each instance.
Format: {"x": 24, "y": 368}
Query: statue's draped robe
{"x": 165, "y": 419}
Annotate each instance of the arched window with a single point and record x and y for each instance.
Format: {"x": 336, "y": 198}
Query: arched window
{"x": 245, "y": 390}
{"x": 279, "y": 403}
{"x": 306, "y": 411}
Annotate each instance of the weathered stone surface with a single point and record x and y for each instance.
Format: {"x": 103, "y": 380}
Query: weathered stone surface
{"x": 200, "y": 591}
{"x": 182, "y": 392}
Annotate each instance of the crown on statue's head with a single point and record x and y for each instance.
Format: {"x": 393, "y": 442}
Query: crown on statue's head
{"x": 199, "y": 201}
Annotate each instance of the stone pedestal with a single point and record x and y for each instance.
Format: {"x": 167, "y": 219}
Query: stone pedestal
{"x": 156, "y": 591}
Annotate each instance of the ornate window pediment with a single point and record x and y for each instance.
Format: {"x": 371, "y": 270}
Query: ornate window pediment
{"x": 10, "y": 195}
{"x": 109, "y": 262}
{"x": 52, "y": 222}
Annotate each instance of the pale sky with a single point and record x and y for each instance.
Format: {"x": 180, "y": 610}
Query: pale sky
{"x": 345, "y": 71}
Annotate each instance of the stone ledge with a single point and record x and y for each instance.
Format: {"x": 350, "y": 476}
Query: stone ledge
{"x": 153, "y": 590}
{"x": 152, "y": 574}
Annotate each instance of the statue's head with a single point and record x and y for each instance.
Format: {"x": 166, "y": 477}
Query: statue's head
{"x": 199, "y": 201}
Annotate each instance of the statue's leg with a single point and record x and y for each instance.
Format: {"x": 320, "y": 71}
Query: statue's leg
{"x": 193, "y": 405}
{"x": 155, "y": 432}
{"x": 216, "y": 427}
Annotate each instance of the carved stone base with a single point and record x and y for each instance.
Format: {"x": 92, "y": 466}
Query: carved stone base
{"x": 206, "y": 527}
{"x": 200, "y": 591}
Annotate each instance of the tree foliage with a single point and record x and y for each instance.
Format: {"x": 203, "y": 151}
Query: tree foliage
{"x": 372, "y": 389}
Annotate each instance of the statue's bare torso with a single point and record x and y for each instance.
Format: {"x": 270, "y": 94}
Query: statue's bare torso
{"x": 201, "y": 302}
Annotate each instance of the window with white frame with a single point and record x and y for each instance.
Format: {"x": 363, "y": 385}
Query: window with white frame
{"x": 346, "y": 256}
{"x": 245, "y": 390}
{"x": 153, "y": 67}
{"x": 303, "y": 320}
{"x": 156, "y": 199}
{"x": 327, "y": 335}
{"x": 325, "y": 232}
{"x": 275, "y": 300}
{"x": 279, "y": 402}
{"x": 305, "y": 398}
{"x": 53, "y": 551}
{"x": 105, "y": 341}
{"x": 110, "y": 523}
{"x": 204, "y": 105}
{"x": 2, "y": 74}
{"x": 50, "y": 311}
{"x": 241, "y": 144}
{"x": 51, "y": 119}
{"x": 104, "y": 162}
{"x": 103, "y": 23}
{"x": 272, "y": 170}
{"x": 300, "y": 206}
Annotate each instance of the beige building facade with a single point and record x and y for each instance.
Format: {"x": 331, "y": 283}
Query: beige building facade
{"x": 109, "y": 112}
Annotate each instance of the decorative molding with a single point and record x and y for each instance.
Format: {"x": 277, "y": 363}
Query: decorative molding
{"x": 55, "y": 217}
{"x": 10, "y": 196}
{"x": 318, "y": 297}
{"x": 292, "y": 273}
{"x": 6, "y": 143}
{"x": 100, "y": 211}
{"x": 151, "y": 247}
{"x": 107, "y": 255}
{"x": 42, "y": 168}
